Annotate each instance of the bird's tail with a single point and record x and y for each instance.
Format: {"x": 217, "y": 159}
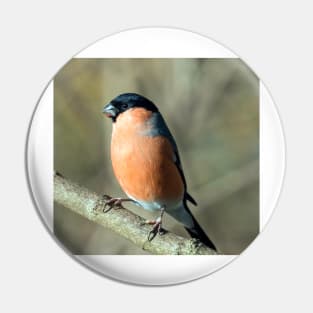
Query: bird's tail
{"x": 198, "y": 233}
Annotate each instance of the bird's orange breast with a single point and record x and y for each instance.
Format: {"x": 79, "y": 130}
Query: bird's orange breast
{"x": 144, "y": 165}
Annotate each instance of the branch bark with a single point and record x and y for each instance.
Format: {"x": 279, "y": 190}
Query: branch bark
{"x": 122, "y": 221}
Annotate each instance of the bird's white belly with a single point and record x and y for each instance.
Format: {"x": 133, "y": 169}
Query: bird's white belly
{"x": 155, "y": 205}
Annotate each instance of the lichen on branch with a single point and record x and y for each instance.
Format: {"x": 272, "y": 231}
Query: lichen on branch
{"x": 123, "y": 222}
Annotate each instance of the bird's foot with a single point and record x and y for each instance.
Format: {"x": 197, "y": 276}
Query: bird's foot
{"x": 157, "y": 226}
{"x": 108, "y": 203}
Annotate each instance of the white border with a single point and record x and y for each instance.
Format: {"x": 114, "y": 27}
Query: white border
{"x": 39, "y": 156}
{"x": 154, "y": 270}
{"x": 272, "y": 156}
{"x": 156, "y": 42}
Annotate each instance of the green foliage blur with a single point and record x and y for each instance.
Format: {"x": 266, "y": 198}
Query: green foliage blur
{"x": 211, "y": 107}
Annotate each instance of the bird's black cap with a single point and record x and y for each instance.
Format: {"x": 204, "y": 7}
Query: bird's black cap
{"x": 127, "y": 101}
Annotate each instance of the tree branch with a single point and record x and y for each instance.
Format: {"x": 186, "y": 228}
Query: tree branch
{"x": 121, "y": 221}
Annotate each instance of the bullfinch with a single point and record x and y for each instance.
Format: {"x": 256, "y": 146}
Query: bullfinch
{"x": 147, "y": 165}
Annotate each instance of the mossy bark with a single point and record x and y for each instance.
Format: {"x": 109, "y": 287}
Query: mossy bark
{"x": 122, "y": 221}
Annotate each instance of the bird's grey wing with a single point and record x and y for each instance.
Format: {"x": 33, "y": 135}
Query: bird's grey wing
{"x": 158, "y": 127}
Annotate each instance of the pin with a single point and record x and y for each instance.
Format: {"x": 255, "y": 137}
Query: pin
{"x": 186, "y": 121}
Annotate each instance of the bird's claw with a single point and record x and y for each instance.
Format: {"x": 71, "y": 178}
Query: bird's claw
{"x": 156, "y": 230}
{"x": 109, "y": 203}
{"x": 157, "y": 226}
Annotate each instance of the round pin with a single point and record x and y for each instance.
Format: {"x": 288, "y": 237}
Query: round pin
{"x": 155, "y": 156}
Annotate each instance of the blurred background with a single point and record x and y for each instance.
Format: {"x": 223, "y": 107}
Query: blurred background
{"x": 211, "y": 107}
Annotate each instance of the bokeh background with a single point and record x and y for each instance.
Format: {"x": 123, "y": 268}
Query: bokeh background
{"x": 211, "y": 107}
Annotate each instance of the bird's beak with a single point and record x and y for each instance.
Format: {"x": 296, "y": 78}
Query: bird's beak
{"x": 110, "y": 110}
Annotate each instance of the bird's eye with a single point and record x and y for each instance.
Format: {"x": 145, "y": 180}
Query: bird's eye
{"x": 124, "y": 106}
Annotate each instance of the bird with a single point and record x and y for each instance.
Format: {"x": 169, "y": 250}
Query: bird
{"x": 147, "y": 165}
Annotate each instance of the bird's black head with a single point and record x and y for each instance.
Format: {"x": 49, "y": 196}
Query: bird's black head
{"x": 125, "y": 102}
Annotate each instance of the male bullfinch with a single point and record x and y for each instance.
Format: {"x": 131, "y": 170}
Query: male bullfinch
{"x": 146, "y": 163}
